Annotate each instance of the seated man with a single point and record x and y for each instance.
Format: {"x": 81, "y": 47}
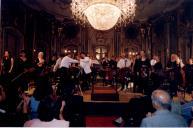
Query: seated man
{"x": 161, "y": 101}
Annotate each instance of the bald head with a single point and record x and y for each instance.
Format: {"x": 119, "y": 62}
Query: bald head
{"x": 161, "y": 99}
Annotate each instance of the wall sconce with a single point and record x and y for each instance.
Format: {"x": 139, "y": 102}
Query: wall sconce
{"x": 132, "y": 53}
{"x": 74, "y": 51}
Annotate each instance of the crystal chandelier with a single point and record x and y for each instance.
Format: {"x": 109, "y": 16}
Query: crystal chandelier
{"x": 103, "y": 14}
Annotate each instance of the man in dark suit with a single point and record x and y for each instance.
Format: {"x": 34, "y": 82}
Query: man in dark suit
{"x": 161, "y": 101}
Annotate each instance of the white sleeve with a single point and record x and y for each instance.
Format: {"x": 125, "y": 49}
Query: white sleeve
{"x": 61, "y": 64}
{"x": 56, "y": 66}
{"x": 73, "y": 60}
{"x": 181, "y": 64}
{"x": 129, "y": 62}
{"x": 119, "y": 64}
{"x": 90, "y": 62}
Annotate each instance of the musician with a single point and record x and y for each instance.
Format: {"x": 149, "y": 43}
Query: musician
{"x": 189, "y": 72}
{"x": 95, "y": 66}
{"x": 136, "y": 70}
{"x": 124, "y": 63}
{"x": 144, "y": 72}
{"x": 58, "y": 62}
{"x": 157, "y": 72}
{"x": 157, "y": 66}
{"x": 65, "y": 65}
{"x": 113, "y": 62}
{"x": 6, "y": 67}
{"x": 52, "y": 61}
{"x": 113, "y": 66}
{"x": 67, "y": 61}
{"x": 173, "y": 68}
{"x": 7, "y": 63}
{"x": 105, "y": 62}
{"x": 22, "y": 69}
{"x": 153, "y": 60}
{"x": 40, "y": 64}
{"x": 65, "y": 75}
{"x": 85, "y": 63}
{"x": 22, "y": 63}
{"x": 41, "y": 75}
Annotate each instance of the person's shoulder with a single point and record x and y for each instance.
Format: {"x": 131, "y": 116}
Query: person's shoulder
{"x": 62, "y": 123}
{"x": 176, "y": 116}
{"x": 148, "y": 118}
{"x": 179, "y": 119}
{"x": 29, "y": 123}
{"x": 145, "y": 121}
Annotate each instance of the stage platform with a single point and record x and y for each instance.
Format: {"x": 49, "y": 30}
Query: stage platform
{"x": 124, "y": 96}
{"x": 107, "y": 107}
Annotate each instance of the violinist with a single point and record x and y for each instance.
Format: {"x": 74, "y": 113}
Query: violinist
{"x": 23, "y": 69}
{"x": 157, "y": 72}
{"x": 189, "y": 73}
{"x": 123, "y": 65}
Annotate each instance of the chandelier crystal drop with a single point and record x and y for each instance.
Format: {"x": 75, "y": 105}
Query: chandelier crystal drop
{"x": 103, "y": 14}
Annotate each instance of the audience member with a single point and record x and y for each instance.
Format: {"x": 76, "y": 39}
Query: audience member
{"x": 46, "y": 116}
{"x": 187, "y": 109}
{"x": 161, "y": 101}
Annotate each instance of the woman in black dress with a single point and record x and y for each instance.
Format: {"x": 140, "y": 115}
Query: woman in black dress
{"x": 136, "y": 70}
{"x": 157, "y": 73}
{"x": 41, "y": 77}
{"x": 40, "y": 64}
{"x": 189, "y": 73}
{"x": 6, "y": 67}
{"x": 144, "y": 72}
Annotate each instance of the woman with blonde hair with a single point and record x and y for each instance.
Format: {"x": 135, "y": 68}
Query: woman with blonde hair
{"x": 174, "y": 69}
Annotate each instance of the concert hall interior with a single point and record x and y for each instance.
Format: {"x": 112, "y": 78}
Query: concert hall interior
{"x": 96, "y": 63}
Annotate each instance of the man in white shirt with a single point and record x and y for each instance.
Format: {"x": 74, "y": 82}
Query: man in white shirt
{"x": 65, "y": 75}
{"x": 124, "y": 62}
{"x": 85, "y": 63}
{"x": 121, "y": 64}
{"x": 67, "y": 61}
{"x": 58, "y": 63}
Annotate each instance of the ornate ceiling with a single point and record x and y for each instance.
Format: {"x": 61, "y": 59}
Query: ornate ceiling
{"x": 145, "y": 8}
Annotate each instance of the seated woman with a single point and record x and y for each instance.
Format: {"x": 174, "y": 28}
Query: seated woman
{"x": 46, "y": 116}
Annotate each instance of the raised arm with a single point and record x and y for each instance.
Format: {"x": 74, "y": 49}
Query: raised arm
{"x": 73, "y": 60}
{"x": 56, "y": 66}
